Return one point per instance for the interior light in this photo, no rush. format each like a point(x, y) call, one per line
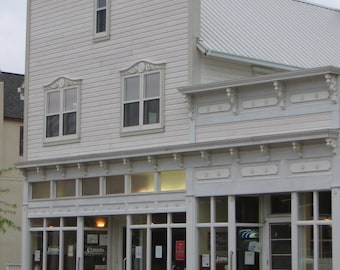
point(100, 223)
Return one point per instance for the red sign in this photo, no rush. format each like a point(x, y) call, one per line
point(180, 250)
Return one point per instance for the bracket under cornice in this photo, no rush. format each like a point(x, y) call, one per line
point(179, 159)
point(128, 163)
point(280, 93)
point(82, 167)
point(297, 146)
point(332, 144)
point(265, 151)
point(61, 169)
point(153, 161)
point(235, 153)
point(331, 82)
point(206, 156)
point(232, 99)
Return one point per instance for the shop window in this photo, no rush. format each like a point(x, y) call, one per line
point(37, 222)
point(159, 218)
point(221, 208)
point(280, 204)
point(172, 180)
point(90, 186)
point(143, 182)
point(37, 249)
point(305, 205)
point(204, 210)
point(65, 188)
point(138, 248)
point(247, 209)
point(115, 184)
point(70, 222)
point(52, 250)
point(325, 205)
point(40, 190)
point(139, 219)
point(53, 222)
point(69, 250)
point(178, 218)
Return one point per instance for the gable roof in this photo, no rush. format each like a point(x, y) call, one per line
point(13, 105)
point(290, 34)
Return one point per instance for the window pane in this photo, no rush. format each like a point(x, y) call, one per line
point(90, 186)
point(159, 218)
point(65, 188)
point(41, 190)
point(143, 182)
point(138, 248)
point(37, 249)
point(306, 248)
point(70, 222)
point(70, 99)
point(151, 111)
point(101, 3)
point(247, 209)
point(178, 217)
point(325, 205)
point(131, 89)
point(69, 123)
point(131, 114)
point(221, 209)
point(53, 250)
point(70, 240)
point(172, 180)
point(115, 184)
point(151, 85)
point(204, 210)
point(52, 126)
point(53, 102)
point(280, 204)
point(204, 247)
point(306, 206)
point(101, 21)
point(139, 219)
point(325, 245)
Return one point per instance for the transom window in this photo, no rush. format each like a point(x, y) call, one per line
point(142, 97)
point(101, 26)
point(61, 112)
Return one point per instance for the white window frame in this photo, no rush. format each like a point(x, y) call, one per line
point(104, 35)
point(140, 69)
point(62, 84)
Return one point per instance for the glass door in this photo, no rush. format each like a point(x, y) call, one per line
point(280, 246)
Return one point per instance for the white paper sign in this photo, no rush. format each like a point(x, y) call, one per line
point(158, 252)
point(205, 260)
point(37, 255)
point(138, 252)
point(249, 258)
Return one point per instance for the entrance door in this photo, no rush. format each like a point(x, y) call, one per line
point(280, 246)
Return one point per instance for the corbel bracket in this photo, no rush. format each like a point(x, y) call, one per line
point(331, 82)
point(104, 165)
point(82, 167)
point(232, 99)
point(128, 163)
point(41, 171)
point(297, 146)
point(61, 169)
point(190, 101)
point(265, 151)
point(179, 159)
point(280, 93)
point(235, 153)
point(153, 161)
point(332, 144)
point(206, 156)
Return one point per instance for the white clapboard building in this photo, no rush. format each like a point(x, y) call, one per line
point(182, 134)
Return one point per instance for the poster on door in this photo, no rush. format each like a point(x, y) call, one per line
point(180, 250)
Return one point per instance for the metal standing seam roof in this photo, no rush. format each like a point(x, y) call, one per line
point(290, 33)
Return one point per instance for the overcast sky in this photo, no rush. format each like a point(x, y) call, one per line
point(13, 28)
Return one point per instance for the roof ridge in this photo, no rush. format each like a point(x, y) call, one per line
point(317, 5)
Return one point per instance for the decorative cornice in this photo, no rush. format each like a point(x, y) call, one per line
point(140, 67)
point(62, 82)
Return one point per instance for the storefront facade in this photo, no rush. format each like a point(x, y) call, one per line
point(264, 199)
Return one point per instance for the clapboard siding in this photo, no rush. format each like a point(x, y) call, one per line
point(61, 44)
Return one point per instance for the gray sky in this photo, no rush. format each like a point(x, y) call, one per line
point(13, 28)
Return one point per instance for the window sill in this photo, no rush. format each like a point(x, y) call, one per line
point(138, 131)
point(60, 141)
point(101, 37)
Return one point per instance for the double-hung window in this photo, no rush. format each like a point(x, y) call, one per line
point(142, 98)
point(102, 16)
point(62, 110)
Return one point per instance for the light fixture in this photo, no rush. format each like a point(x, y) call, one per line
point(100, 223)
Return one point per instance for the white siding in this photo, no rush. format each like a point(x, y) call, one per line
point(61, 44)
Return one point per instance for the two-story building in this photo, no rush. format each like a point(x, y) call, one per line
point(11, 180)
point(181, 134)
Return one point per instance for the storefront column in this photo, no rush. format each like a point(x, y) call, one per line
point(232, 233)
point(336, 227)
point(80, 243)
point(191, 234)
point(294, 236)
